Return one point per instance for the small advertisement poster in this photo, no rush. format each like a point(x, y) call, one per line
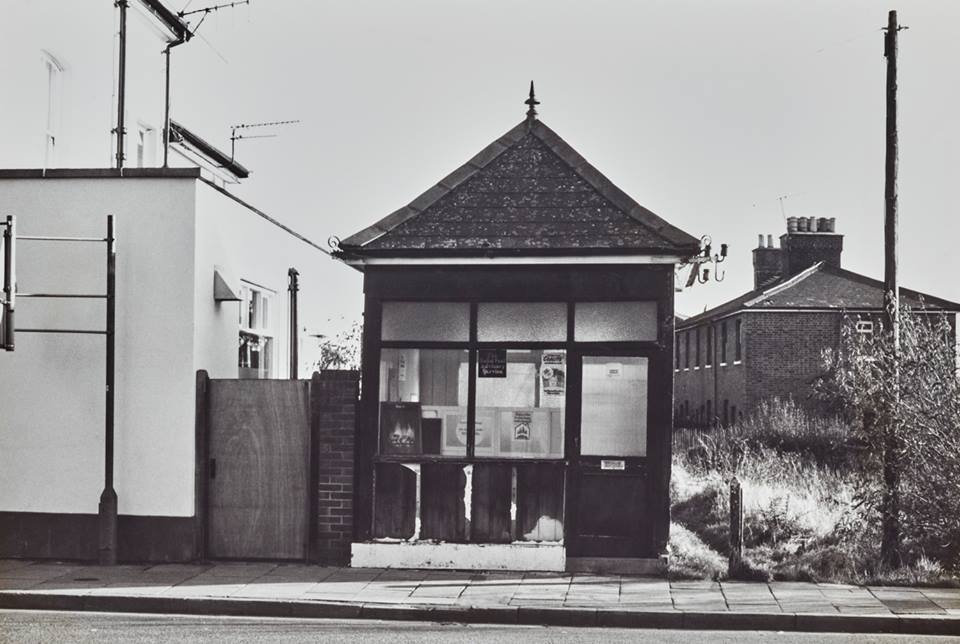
point(522, 425)
point(492, 363)
point(553, 378)
point(400, 428)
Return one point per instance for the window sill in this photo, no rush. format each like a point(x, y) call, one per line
point(723, 364)
point(738, 362)
point(709, 366)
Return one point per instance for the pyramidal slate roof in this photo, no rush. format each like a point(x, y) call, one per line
point(820, 287)
point(527, 193)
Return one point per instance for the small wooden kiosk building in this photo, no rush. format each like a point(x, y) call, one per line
point(517, 377)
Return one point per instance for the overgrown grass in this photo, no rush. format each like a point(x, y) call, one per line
point(801, 516)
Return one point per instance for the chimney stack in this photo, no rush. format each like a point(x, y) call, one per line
point(766, 263)
point(808, 240)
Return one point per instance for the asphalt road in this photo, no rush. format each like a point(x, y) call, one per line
point(29, 627)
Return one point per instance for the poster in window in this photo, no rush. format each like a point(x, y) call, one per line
point(492, 363)
point(455, 434)
point(553, 378)
point(400, 428)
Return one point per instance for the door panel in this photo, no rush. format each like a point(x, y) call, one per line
point(259, 469)
point(608, 468)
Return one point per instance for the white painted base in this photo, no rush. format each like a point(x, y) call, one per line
point(618, 565)
point(460, 556)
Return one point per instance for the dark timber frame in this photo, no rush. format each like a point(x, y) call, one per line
point(532, 283)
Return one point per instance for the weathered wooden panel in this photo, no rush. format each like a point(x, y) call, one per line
point(258, 469)
point(611, 505)
point(395, 501)
point(490, 503)
point(442, 506)
point(540, 501)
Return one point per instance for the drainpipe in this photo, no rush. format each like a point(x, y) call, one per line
point(122, 73)
point(293, 285)
point(166, 109)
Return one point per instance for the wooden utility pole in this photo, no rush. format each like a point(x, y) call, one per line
point(890, 543)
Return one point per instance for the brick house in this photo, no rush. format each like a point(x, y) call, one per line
point(768, 342)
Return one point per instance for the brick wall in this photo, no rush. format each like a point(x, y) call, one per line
point(696, 385)
point(784, 354)
point(334, 396)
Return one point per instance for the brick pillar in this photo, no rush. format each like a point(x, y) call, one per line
point(333, 396)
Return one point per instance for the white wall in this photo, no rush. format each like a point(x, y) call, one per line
point(82, 36)
point(52, 386)
point(248, 247)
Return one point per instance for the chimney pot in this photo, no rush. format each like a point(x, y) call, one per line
point(769, 241)
point(760, 240)
point(812, 224)
point(791, 224)
point(832, 224)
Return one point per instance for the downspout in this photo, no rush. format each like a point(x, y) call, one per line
point(166, 110)
point(293, 285)
point(121, 86)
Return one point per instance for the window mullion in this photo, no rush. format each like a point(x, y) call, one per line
point(472, 384)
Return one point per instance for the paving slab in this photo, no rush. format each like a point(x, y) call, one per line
point(288, 589)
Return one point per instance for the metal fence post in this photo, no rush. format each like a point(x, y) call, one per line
point(736, 525)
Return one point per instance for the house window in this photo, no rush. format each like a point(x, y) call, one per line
point(257, 345)
point(733, 414)
point(709, 356)
point(677, 351)
point(709, 418)
point(696, 360)
point(686, 350)
point(723, 342)
point(865, 327)
point(726, 412)
point(54, 73)
point(738, 342)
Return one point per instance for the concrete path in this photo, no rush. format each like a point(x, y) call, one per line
point(271, 589)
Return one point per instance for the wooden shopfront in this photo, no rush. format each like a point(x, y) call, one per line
point(516, 406)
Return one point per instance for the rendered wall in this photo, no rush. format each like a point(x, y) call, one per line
point(52, 386)
point(246, 246)
point(82, 37)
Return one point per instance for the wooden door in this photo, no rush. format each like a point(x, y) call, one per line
point(608, 487)
point(259, 467)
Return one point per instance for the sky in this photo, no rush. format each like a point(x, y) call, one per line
point(720, 116)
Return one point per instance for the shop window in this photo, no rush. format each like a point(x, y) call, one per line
point(423, 403)
point(520, 403)
point(522, 321)
point(426, 321)
point(615, 321)
point(256, 351)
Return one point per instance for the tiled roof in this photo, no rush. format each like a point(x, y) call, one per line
point(819, 287)
point(527, 192)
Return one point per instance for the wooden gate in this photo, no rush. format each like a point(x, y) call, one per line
point(258, 469)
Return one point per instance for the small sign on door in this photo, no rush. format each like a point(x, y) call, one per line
point(609, 464)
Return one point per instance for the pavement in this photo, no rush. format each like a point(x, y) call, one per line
point(267, 589)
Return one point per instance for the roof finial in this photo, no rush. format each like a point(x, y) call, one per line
point(532, 102)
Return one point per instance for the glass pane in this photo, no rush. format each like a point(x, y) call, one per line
point(615, 321)
point(515, 321)
point(614, 406)
point(520, 405)
point(437, 321)
point(423, 402)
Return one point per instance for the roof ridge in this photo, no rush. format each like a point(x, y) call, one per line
point(434, 193)
point(785, 284)
point(599, 182)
